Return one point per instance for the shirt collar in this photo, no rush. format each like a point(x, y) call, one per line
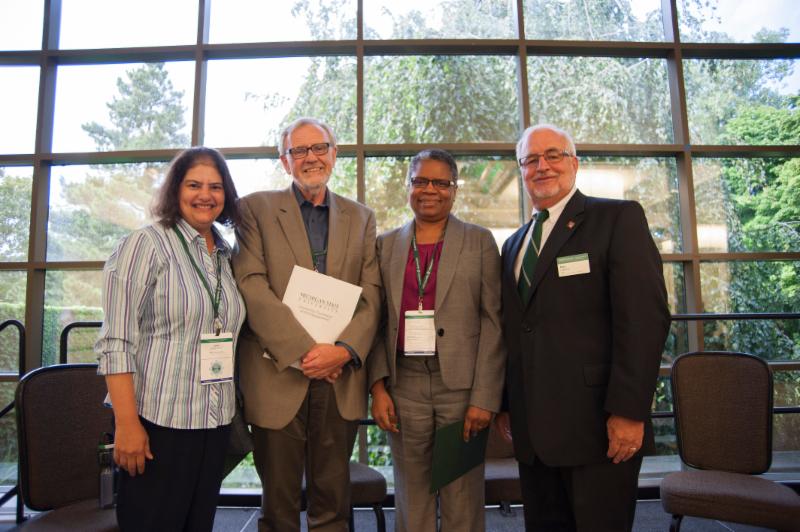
point(302, 201)
point(556, 210)
point(192, 234)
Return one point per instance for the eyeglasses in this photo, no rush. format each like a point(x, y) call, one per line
point(300, 152)
point(423, 182)
point(551, 156)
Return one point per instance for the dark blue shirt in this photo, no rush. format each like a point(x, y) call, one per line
point(315, 218)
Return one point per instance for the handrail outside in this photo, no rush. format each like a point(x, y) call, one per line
point(62, 343)
point(14, 491)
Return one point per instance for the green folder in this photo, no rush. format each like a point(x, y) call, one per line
point(452, 456)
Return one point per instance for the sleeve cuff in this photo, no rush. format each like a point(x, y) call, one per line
point(354, 360)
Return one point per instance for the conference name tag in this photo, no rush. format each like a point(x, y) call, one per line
point(573, 265)
point(420, 334)
point(216, 358)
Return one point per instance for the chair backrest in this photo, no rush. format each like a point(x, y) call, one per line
point(60, 419)
point(723, 411)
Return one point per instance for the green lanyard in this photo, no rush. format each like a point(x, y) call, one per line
point(422, 282)
point(216, 296)
point(315, 255)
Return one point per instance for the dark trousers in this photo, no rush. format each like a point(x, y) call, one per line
point(180, 485)
point(318, 441)
point(597, 497)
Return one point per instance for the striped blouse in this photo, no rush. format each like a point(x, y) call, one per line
point(156, 308)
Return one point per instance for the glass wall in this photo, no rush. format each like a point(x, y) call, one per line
point(94, 109)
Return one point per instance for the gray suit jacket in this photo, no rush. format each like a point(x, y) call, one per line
point(270, 241)
point(469, 343)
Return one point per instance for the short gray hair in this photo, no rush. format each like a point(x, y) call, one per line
point(434, 154)
point(304, 121)
point(555, 129)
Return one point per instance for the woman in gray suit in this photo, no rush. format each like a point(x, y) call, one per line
point(439, 357)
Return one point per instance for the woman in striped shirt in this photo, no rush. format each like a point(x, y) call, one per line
point(172, 317)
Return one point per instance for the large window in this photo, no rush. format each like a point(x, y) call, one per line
point(688, 106)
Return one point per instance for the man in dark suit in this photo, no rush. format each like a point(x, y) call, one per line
point(585, 318)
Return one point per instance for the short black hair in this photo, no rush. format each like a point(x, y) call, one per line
point(167, 207)
point(434, 154)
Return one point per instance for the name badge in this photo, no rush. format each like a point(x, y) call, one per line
point(573, 265)
point(216, 358)
point(420, 334)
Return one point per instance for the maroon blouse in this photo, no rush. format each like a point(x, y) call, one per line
point(410, 298)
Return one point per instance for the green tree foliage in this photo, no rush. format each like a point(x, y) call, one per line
point(15, 212)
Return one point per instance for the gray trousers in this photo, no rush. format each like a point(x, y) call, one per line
point(423, 404)
point(318, 441)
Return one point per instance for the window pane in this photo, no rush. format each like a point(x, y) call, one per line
point(747, 204)
point(15, 212)
point(787, 390)
point(440, 19)
point(742, 101)
point(252, 175)
point(248, 102)
point(638, 20)
point(21, 24)
point(104, 24)
point(488, 193)
point(71, 296)
point(298, 20)
point(19, 94)
point(123, 107)
point(92, 207)
point(601, 99)
point(440, 99)
point(8, 438)
point(678, 338)
point(739, 21)
point(752, 286)
point(12, 307)
point(652, 182)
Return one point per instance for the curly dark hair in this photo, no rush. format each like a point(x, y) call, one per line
point(167, 207)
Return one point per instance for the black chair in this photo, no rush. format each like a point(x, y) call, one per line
point(723, 420)
point(60, 420)
point(501, 484)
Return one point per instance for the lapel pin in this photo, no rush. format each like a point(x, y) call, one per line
point(570, 224)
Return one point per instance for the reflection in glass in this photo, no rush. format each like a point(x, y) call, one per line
point(12, 307)
point(440, 99)
point(21, 25)
point(724, 21)
point(488, 193)
point(123, 107)
point(650, 181)
point(15, 212)
point(440, 19)
point(92, 207)
point(71, 296)
point(8, 438)
point(294, 20)
point(741, 102)
point(747, 204)
point(638, 20)
point(602, 100)
point(249, 101)
point(104, 24)
point(20, 94)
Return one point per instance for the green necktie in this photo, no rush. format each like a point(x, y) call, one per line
point(531, 256)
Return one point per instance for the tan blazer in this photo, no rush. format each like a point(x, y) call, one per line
point(469, 335)
point(270, 241)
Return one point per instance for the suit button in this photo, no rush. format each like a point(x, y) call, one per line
point(440, 332)
point(526, 328)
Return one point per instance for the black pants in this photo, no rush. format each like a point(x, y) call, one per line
point(596, 497)
point(180, 485)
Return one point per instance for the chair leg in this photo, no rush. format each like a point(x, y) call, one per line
point(675, 525)
point(352, 523)
point(380, 519)
point(505, 509)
